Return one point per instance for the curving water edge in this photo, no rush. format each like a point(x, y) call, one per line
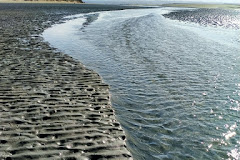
point(174, 85)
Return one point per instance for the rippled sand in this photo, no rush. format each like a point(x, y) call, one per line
point(51, 106)
point(208, 17)
point(224, 6)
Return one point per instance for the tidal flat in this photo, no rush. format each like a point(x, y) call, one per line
point(51, 105)
point(223, 6)
point(173, 74)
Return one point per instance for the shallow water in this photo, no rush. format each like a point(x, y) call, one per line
point(175, 85)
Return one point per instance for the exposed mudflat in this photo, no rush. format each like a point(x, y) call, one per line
point(208, 17)
point(51, 106)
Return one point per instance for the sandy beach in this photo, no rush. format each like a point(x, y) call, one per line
point(51, 106)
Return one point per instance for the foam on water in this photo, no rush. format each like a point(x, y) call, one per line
point(175, 86)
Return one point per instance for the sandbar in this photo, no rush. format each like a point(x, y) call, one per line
point(51, 105)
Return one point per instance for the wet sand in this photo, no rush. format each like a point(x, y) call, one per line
point(223, 6)
point(51, 106)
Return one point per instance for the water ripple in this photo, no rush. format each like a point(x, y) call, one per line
point(174, 89)
point(209, 17)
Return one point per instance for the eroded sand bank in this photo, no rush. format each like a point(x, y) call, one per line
point(51, 106)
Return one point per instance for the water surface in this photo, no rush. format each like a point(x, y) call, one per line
point(175, 85)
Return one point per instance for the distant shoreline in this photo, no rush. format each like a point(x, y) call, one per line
point(181, 5)
point(186, 5)
point(41, 1)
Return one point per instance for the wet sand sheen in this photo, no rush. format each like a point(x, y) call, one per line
point(51, 106)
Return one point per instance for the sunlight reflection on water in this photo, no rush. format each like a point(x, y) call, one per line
point(175, 85)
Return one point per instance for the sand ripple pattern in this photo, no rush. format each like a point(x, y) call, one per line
point(51, 106)
point(209, 17)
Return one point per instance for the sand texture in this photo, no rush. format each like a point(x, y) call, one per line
point(224, 6)
point(51, 106)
